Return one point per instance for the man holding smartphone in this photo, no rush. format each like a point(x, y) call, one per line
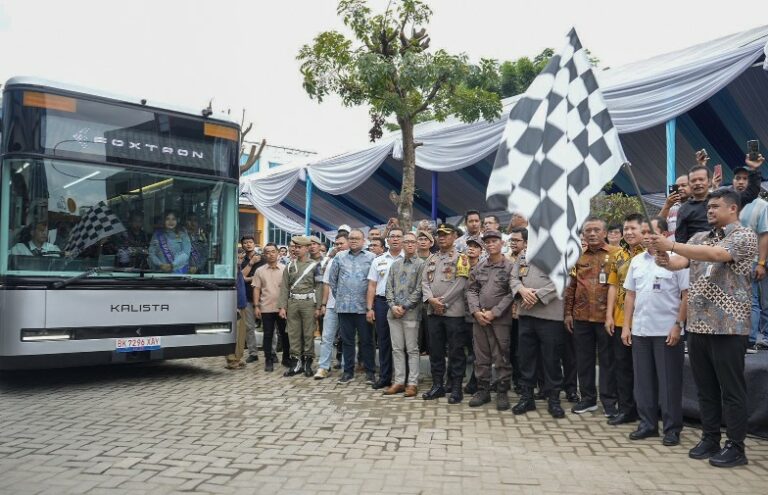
point(679, 192)
point(692, 215)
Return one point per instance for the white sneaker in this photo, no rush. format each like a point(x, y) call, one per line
point(321, 373)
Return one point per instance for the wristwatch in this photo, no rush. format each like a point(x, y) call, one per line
point(370, 309)
point(680, 324)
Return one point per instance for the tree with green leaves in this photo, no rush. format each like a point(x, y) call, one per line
point(387, 65)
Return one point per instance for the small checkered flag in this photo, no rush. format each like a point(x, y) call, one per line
point(558, 150)
point(96, 224)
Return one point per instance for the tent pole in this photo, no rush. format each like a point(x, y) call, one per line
point(671, 169)
point(434, 196)
point(308, 208)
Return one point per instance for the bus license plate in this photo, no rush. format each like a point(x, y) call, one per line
point(131, 344)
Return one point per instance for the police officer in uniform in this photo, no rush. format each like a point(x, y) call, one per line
point(443, 283)
point(490, 299)
point(299, 304)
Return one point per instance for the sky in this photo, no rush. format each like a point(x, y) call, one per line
point(243, 53)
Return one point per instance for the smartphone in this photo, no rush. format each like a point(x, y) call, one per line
point(718, 170)
point(703, 153)
point(753, 149)
point(673, 188)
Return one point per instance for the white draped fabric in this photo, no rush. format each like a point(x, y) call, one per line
point(644, 94)
point(640, 96)
point(343, 173)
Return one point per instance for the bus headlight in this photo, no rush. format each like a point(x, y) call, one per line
point(43, 334)
point(215, 328)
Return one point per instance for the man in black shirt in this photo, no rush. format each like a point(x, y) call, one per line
point(692, 216)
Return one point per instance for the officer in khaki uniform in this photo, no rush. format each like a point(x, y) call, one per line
point(299, 304)
point(443, 283)
point(490, 300)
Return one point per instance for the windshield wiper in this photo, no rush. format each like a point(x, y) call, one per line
point(93, 271)
point(191, 280)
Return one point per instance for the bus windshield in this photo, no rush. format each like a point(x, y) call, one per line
point(63, 217)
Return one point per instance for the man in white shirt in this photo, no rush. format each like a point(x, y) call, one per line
point(38, 244)
point(655, 310)
point(377, 307)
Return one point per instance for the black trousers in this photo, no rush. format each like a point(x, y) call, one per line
point(513, 354)
point(590, 341)
point(424, 330)
point(624, 374)
point(541, 346)
point(380, 309)
point(717, 364)
point(269, 321)
point(448, 330)
point(570, 383)
point(659, 382)
point(353, 325)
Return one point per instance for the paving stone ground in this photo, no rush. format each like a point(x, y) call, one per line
point(192, 426)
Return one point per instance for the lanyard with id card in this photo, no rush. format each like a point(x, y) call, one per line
point(656, 284)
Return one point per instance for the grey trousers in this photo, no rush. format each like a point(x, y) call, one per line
point(405, 340)
point(491, 345)
point(250, 330)
point(658, 381)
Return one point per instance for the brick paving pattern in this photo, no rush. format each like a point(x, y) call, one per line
point(192, 426)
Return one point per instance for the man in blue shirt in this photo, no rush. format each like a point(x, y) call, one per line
point(348, 280)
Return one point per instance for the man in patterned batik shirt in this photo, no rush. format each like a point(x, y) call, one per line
point(719, 320)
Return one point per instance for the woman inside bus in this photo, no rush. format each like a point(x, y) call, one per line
point(170, 246)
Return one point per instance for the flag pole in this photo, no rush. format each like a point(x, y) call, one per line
point(628, 168)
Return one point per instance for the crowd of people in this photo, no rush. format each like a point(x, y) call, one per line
point(641, 295)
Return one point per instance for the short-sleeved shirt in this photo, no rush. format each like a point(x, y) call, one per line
point(268, 280)
point(586, 297)
point(616, 276)
point(380, 269)
point(657, 296)
point(720, 296)
point(755, 216)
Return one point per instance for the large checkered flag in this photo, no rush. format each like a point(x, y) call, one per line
point(558, 150)
point(97, 223)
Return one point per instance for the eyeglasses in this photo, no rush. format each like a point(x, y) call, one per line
point(409, 242)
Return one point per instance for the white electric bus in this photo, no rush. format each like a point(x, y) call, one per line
point(118, 227)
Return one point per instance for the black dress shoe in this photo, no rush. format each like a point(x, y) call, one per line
point(435, 392)
point(381, 384)
point(555, 409)
point(456, 394)
point(705, 449)
point(295, 368)
point(251, 358)
point(671, 439)
point(732, 455)
point(268, 366)
point(622, 418)
point(525, 404)
point(308, 371)
point(572, 397)
point(643, 432)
